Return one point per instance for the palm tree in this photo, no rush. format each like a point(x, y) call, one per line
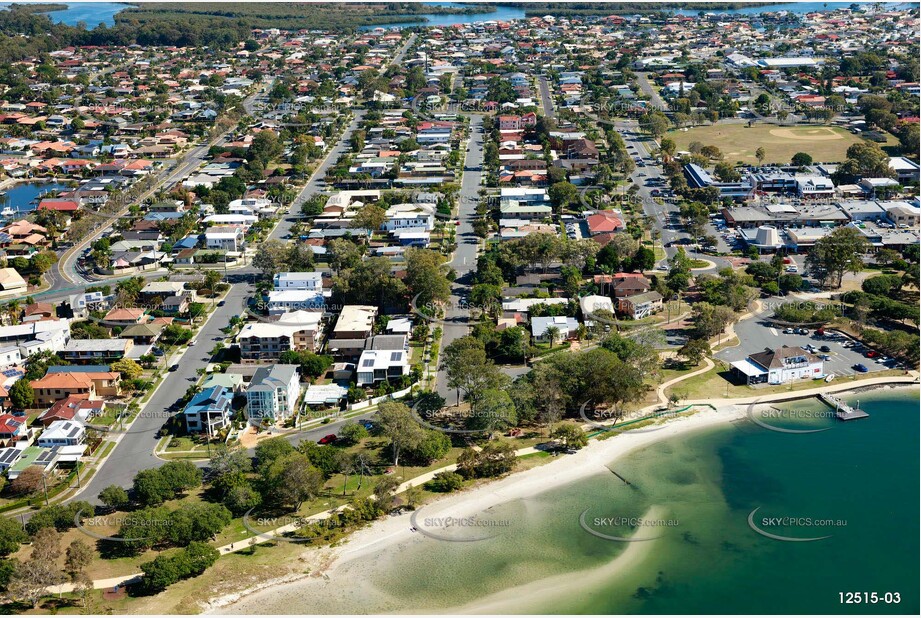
point(554, 333)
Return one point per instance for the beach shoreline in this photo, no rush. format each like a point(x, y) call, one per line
point(383, 535)
point(389, 534)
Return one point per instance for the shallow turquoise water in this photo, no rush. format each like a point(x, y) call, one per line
point(861, 475)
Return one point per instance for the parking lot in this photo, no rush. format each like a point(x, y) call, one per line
point(756, 336)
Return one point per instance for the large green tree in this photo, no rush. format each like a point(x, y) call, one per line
point(839, 252)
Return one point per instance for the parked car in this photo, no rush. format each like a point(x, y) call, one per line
point(174, 367)
point(328, 439)
point(366, 424)
point(860, 368)
point(824, 348)
point(871, 354)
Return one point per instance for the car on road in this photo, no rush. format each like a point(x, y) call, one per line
point(366, 424)
point(662, 267)
point(221, 303)
point(327, 439)
point(192, 341)
point(860, 368)
point(824, 348)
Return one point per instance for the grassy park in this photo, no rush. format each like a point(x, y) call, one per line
point(738, 142)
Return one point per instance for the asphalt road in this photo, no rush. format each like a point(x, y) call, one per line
point(546, 99)
point(665, 215)
point(64, 274)
point(283, 229)
point(134, 450)
point(658, 102)
point(464, 261)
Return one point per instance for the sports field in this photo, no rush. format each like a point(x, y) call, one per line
point(739, 142)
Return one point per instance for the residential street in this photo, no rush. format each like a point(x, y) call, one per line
point(134, 451)
point(546, 99)
point(464, 261)
point(64, 273)
point(664, 215)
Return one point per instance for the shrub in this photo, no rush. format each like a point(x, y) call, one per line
point(59, 516)
point(189, 562)
point(445, 482)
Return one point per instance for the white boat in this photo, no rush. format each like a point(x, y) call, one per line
point(7, 212)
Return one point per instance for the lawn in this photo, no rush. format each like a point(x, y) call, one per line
point(712, 385)
point(739, 142)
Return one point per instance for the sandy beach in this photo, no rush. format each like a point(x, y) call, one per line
point(332, 591)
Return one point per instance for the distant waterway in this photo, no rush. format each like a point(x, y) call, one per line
point(90, 13)
point(95, 13)
point(22, 197)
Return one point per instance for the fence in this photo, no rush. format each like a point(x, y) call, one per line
point(376, 400)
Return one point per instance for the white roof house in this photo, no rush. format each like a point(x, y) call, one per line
point(593, 303)
point(523, 305)
point(281, 301)
point(298, 281)
point(378, 365)
point(11, 282)
point(402, 216)
point(32, 337)
point(244, 220)
point(229, 237)
point(62, 433)
point(566, 326)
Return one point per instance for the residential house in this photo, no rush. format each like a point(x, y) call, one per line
point(225, 237)
point(72, 407)
point(13, 430)
point(639, 306)
point(12, 283)
point(62, 433)
point(355, 322)
point(60, 385)
point(209, 411)
point(83, 351)
point(298, 281)
point(265, 341)
point(540, 328)
point(379, 365)
point(272, 394)
point(36, 336)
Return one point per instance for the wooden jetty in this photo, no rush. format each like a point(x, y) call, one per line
point(843, 411)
